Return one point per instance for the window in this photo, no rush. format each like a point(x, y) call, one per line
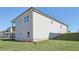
point(28, 34)
point(61, 26)
point(26, 19)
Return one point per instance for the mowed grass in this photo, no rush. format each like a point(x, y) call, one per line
point(66, 42)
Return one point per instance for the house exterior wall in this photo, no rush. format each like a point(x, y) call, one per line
point(42, 27)
point(22, 28)
point(39, 26)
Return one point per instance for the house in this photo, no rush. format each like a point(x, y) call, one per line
point(4, 34)
point(8, 33)
point(0, 34)
point(34, 25)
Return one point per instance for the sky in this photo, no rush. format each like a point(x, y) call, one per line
point(67, 15)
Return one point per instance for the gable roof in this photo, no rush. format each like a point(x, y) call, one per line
point(22, 13)
point(40, 12)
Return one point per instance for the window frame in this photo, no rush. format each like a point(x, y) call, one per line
point(26, 19)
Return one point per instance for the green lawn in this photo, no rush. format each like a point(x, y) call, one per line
point(66, 42)
point(49, 45)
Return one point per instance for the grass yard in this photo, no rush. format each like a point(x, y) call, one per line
point(66, 42)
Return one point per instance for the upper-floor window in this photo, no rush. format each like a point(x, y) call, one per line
point(26, 19)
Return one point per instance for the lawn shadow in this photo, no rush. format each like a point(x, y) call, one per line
point(13, 40)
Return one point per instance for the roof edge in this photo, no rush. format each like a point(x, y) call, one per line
point(22, 13)
point(44, 14)
point(40, 12)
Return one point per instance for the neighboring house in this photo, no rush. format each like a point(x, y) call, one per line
point(4, 34)
point(0, 34)
point(34, 25)
point(8, 33)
